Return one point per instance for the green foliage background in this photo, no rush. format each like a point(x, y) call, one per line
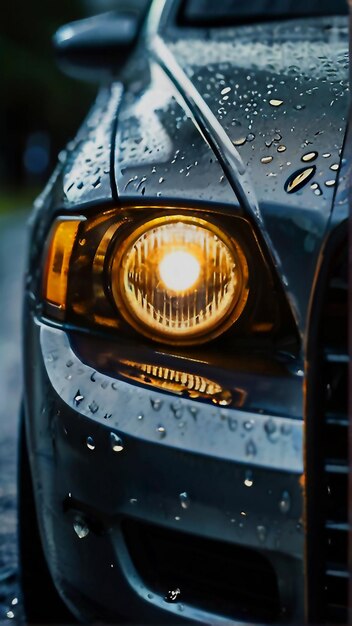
point(35, 95)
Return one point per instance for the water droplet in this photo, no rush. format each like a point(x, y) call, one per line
point(90, 443)
point(298, 179)
point(225, 91)
point(248, 479)
point(69, 363)
point(266, 159)
point(250, 137)
point(116, 443)
point(326, 155)
point(133, 501)
point(262, 533)
point(334, 167)
point(93, 407)
point(156, 403)
point(161, 431)
point(150, 596)
point(177, 409)
point(52, 357)
point(286, 429)
point(78, 398)
point(270, 427)
point(173, 595)
point(177, 518)
point(140, 417)
point(285, 502)
point(248, 425)
point(300, 107)
point(185, 500)
point(14, 602)
point(316, 188)
point(193, 411)
point(330, 183)
point(161, 180)
point(310, 156)
point(10, 614)
point(239, 142)
point(281, 148)
point(251, 449)
point(276, 103)
point(80, 527)
point(232, 422)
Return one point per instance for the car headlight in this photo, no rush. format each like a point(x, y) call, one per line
point(179, 279)
point(176, 276)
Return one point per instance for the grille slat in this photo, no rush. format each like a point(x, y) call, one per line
point(336, 357)
point(336, 468)
point(337, 418)
point(327, 440)
point(337, 572)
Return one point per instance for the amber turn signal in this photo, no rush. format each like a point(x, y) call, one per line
point(61, 241)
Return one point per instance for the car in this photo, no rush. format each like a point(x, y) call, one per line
point(183, 454)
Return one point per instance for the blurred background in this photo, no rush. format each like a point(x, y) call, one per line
point(40, 108)
point(40, 111)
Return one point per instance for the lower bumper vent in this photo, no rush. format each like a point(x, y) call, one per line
point(217, 577)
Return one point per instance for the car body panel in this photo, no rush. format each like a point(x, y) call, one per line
point(243, 496)
point(148, 143)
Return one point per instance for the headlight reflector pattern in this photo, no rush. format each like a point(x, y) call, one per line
point(179, 279)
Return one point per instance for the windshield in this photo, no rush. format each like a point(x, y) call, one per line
point(248, 11)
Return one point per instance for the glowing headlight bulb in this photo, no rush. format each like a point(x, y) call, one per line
point(179, 270)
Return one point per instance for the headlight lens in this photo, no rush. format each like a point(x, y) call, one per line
point(179, 279)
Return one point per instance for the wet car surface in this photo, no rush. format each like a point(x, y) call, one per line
point(141, 446)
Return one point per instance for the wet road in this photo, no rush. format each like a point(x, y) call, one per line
point(12, 255)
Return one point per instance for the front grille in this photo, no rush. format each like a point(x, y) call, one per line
point(327, 441)
point(214, 576)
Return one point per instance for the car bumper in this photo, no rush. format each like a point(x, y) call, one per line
point(198, 474)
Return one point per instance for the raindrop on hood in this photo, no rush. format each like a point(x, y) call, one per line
point(299, 179)
point(310, 156)
point(239, 142)
point(276, 103)
point(81, 529)
point(185, 500)
point(266, 159)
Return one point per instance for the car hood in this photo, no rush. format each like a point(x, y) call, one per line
point(251, 119)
